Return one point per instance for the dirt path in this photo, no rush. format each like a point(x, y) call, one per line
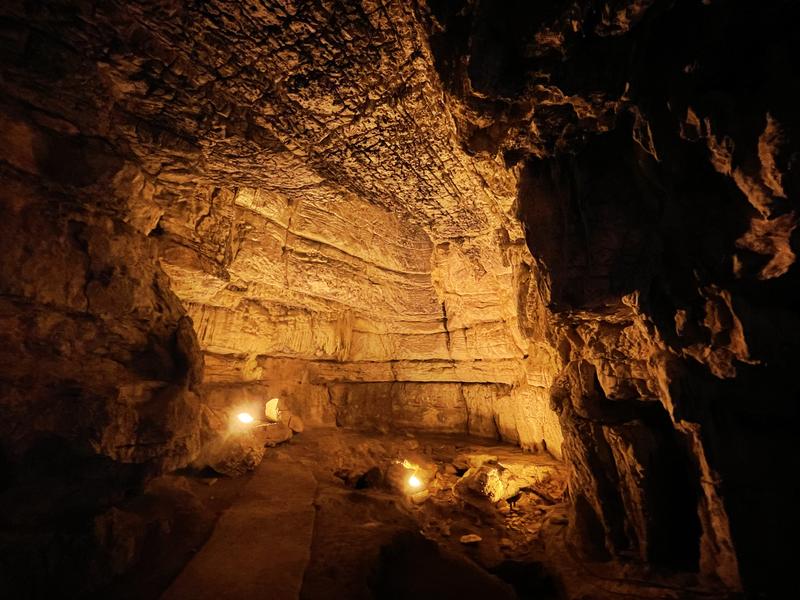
point(298, 530)
point(261, 545)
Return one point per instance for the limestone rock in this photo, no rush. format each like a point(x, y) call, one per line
point(420, 497)
point(473, 461)
point(300, 267)
point(541, 224)
point(397, 476)
point(237, 454)
point(470, 538)
point(272, 410)
point(230, 447)
point(276, 433)
point(296, 424)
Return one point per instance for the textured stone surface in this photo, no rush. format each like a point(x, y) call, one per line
point(647, 139)
point(95, 346)
point(308, 204)
point(436, 214)
point(100, 367)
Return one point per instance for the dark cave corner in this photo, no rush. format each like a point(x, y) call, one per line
point(500, 294)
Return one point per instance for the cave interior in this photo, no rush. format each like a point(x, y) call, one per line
point(399, 299)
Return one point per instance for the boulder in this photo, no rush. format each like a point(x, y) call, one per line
point(488, 482)
point(235, 454)
point(276, 433)
point(295, 423)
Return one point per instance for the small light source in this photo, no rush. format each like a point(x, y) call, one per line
point(414, 482)
point(245, 417)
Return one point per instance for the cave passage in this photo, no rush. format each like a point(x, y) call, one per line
point(394, 299)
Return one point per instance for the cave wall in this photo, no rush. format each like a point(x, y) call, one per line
point(319, 292)
point(440, 213)
point(100, 362)
point(308, 206)
point(305, 205)
point(276, 192)
point(656, 143)
point(168, 202)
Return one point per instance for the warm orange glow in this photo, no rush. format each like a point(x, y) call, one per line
point(414, 482)
point(245, 417)
point(272, 410)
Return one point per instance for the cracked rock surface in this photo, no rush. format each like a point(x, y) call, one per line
point(569, 225)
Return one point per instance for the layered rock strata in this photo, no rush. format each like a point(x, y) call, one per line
point(445, 215)
point(656, 146)
point(100, 363)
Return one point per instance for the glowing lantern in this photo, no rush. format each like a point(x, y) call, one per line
point(245, 417)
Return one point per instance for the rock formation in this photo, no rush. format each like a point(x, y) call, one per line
point(569, 225)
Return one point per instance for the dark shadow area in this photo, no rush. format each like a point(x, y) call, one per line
point(412, 567)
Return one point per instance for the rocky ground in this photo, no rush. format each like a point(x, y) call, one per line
point(330, 514)
point(569, 225)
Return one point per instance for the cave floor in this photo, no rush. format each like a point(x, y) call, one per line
point(311, 522)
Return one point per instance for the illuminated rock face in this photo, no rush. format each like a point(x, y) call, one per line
point(327, 294)
point(334, 221)
point(658, 189)
point(98, 354)
point(548, 224)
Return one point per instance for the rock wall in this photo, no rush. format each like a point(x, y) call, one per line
point(279, 189)
point(100, 362)
point(656, 146)
point(368, 238)
point(306, 204)
point(438, 214)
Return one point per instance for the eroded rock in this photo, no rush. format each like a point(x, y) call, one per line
point(446, 216)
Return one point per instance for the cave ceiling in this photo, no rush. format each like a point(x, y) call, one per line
point(302, 173)
point(570, 225)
